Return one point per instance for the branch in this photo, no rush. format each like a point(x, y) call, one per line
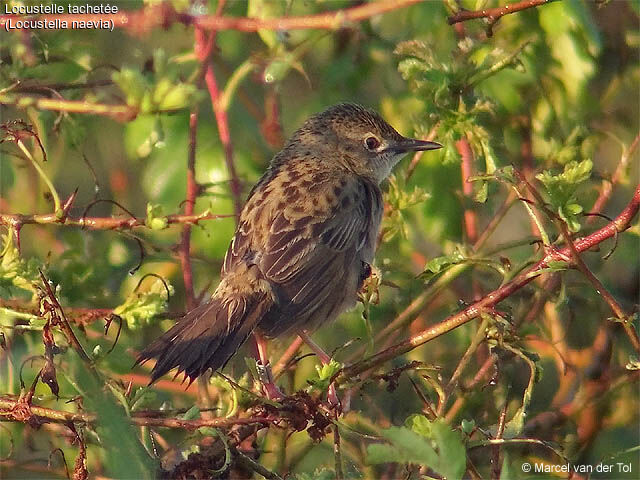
point(163, 16)
point(13, 411)
point(100, 223)
point(495, 14)
point(222, 121)
point(121, 113)
point(189, 203)
point(466, 165)
point(607, 185)
point(579, 263)
point(619, 224)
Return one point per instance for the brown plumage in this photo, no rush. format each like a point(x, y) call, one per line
point(303, 245)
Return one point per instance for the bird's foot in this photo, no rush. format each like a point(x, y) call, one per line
point(269, 387)
point(332, 398)
point(272, 391)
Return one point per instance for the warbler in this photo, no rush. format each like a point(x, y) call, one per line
point(304, 244)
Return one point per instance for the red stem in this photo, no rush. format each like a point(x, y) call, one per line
point(619, 224)
point(225, 137)
point(494, 14)
point(466, 166)
point(192, 193)
point(163, 15)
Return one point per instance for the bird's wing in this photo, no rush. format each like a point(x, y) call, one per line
point(311, 243)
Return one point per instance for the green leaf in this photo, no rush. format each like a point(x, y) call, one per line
point(440, 264)
point(133, 84)
point(124, 456)
point(325, 373)
point(155, 219)
point(481, 193)
point(264, 9)
point(451, 452)
point(419, 424)
point(192, 414)
point(140, 308)
point(432, 444)
point(7, 175)
point(14, 270)
point(561, 189)
point(168, 95)
point(405, 446)
point(467, 425)
point(557, 265)
point(317, 474)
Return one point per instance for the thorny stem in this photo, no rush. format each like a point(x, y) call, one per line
point(337, 453)
point(420, 302)
point(190, 200)
point(121, 113)
point(577, 259)
point(66, 328)
point(48, 415)
point(617, 309)
point(222, 120)
point(163, 15)
point(288, 354)
point(102, 223)
point(494, 14)
point(251, 464)
point(466, 166)
point(619, 224)
point(607, 185)
point(475, 342)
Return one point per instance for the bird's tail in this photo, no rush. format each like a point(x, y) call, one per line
point(207, 336)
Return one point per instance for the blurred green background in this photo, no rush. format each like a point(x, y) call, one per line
point(554, 87)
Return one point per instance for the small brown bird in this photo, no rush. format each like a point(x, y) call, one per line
point(303, 246)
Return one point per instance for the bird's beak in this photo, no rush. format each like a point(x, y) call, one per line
point(413, 145)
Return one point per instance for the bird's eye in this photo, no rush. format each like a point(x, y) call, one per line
point(371, 143)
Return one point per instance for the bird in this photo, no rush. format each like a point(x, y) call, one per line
point(303, 246)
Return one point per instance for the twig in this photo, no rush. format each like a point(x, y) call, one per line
point(251, 464)
point(620, 223)
point(495, 220)
point(577, 259)
point(65, 327)
point(495, 449)
point(425, 298)
point(495, 14)
point(607, 185)
point(475, 342)
point(48, 415)
point(121, 113)
point(617, 309)
point(466, 167)
point(190, 200)
point(163, 15)
point(54, 193)
point(223, 132)
point(337, 453)
point(101, 223)
point(288, 354)
point(49, 87)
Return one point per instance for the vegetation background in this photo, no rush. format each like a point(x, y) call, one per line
point(126, 153)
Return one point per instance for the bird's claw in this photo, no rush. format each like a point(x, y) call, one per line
point(265, 376)
point(332, 398)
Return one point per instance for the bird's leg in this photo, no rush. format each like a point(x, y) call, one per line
point(332, 395)
point(264, 370)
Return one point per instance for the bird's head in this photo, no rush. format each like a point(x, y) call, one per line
point(357, 138)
